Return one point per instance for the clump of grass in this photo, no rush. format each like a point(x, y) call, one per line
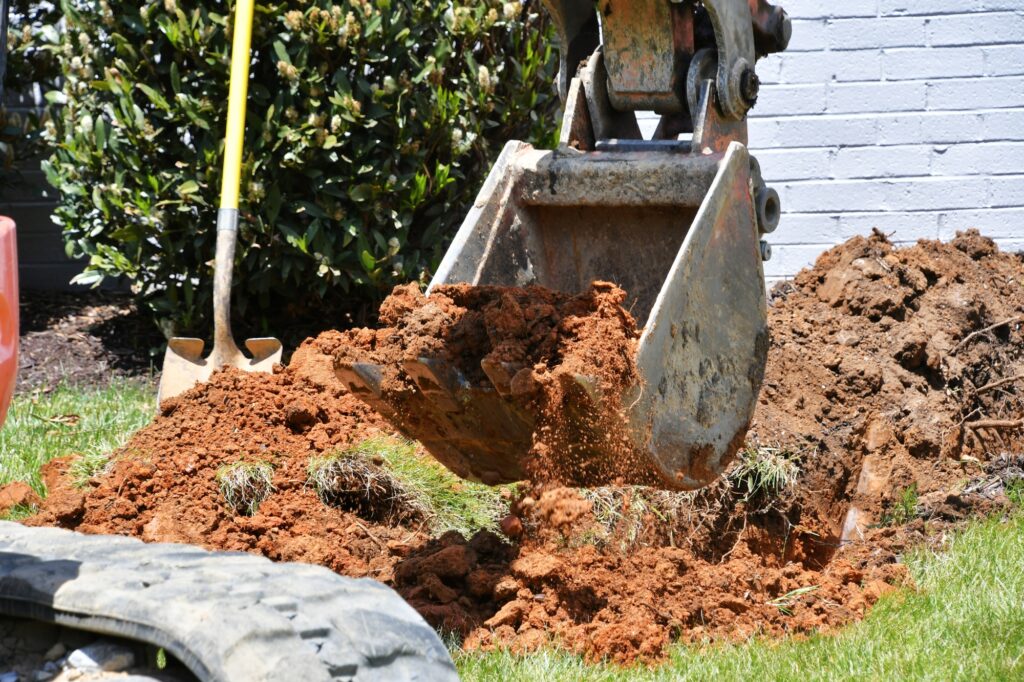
point(763, 472)
point(904, 509)
point(88, 465)
point(245, 485)
point(20, 512)
point(623, 513)
point(446, 501)
point(1014, 489)
point(354, 482)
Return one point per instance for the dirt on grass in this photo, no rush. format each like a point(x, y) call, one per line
point(894, 391)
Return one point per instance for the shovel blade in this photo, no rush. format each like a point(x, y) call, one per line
point(183, 368)
point(184, 365)
point(266, 352)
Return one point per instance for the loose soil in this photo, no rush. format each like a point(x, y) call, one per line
point(894, 388)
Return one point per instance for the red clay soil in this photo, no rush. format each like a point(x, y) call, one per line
point(889, 369)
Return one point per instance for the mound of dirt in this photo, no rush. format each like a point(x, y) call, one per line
point(163, 485)
point(894, 390)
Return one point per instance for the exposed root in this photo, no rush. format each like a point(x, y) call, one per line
point(245, 485)
point(353, 482)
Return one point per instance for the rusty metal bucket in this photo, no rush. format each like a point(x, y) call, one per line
point(676, 225)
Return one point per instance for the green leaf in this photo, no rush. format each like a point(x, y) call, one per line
point(281, 52)
point(100, 130)
point(368, 261)
point(360, 193)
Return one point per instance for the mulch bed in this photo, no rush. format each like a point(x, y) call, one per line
point(84, 338)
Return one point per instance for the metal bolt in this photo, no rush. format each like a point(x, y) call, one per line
point(766, 251)
point(783, 30)
point(750, 84)
point(768, 209)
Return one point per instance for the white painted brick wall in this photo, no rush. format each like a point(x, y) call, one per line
point(906, 115)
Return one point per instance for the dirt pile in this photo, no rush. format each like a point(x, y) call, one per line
point(893, 384)
point(892, 395)
point(165, 484)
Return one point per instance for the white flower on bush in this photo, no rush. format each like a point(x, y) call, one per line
point(293, 19)
point(511, 10)
point(85, 125)
point(483, 77)
point(256, 191)
point(288, 70)
point(390, 85)
point(335, 123)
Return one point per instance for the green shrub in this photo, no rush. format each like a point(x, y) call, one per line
point(371, 126)
point(30, 62)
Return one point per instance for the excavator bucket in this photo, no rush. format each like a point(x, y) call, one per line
point(676, 222)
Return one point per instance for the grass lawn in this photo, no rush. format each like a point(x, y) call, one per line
point(91, 422)
point(966, 621)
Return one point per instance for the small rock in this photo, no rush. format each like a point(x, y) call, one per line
point(511, 526)
point(105, 656)
point(10, 676)
point(42, 676)
point(506, 588)
point(438, 590)
point(510, 614)
point(55, 652)
point(454, 561)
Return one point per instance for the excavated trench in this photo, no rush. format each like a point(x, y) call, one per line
point(891, 389)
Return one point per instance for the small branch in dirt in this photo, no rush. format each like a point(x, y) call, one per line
point(995, 424)
point(969, 415)
point(370, 535)
point(973, 335)
point(1002, 382)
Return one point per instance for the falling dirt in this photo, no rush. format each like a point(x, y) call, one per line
point(527, 358)
point(894, 391)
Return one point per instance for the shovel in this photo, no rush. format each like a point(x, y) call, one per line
point(184, 365)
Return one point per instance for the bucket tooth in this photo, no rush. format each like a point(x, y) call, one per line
point(501, 373)
point(439, 381)
point(361, 378)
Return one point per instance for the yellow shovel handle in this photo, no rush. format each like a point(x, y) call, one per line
point(237, 93)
